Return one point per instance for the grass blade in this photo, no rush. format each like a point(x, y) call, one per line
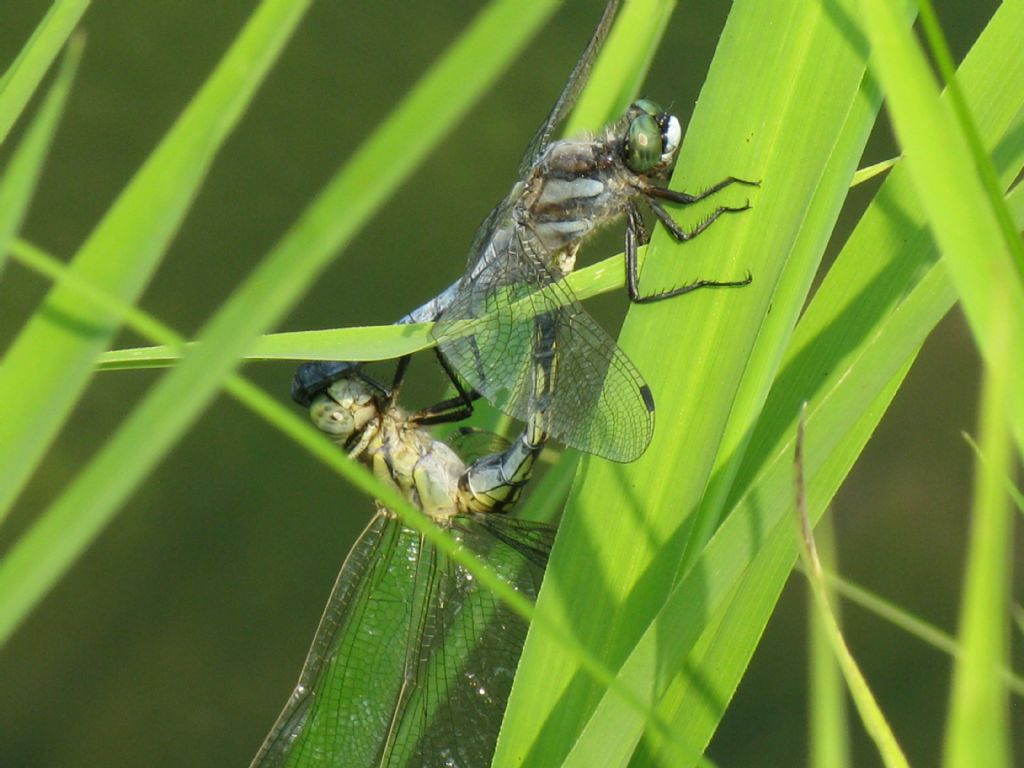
point(19, 180)
point(829, 738)
point(624, 532)
point(979, 729)
point(848, 356)
point(976, 249)
point(22, 78)
point(870, 713)
point(47, 367)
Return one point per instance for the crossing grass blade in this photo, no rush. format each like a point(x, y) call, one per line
point(375, 342)
point(871, 715)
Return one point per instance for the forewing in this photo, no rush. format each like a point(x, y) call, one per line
point(598, 402)
point(572, 89)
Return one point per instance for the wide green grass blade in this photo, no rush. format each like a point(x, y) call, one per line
point(22, 78)
point(978, 732)
point(22, 173)
point(47, 367)
point(976, 250)
point(852, 338)
point(624, 533)
point(848, 357)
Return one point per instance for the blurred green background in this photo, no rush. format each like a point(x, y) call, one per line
point(177, 638)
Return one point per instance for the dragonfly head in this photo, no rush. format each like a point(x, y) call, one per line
point(345, 409)
point(652, 138)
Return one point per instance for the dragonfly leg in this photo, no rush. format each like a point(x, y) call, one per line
point(685, 198)
point(453, 409)
point(632, 267)
point(682, 235)
point(399, 377)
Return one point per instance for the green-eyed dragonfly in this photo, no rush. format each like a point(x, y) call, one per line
point(598, 401)
point(413, 661)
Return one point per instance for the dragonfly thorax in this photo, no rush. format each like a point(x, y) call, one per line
point(578, 185)
point(380, 434)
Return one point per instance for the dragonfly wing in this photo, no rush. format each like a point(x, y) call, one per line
point(341, 711)
point(597, 402)
point(413, 660)
point(470, 648)
point(572, 89)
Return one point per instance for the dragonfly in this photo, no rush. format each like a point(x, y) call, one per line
point(413, 660)
point(567, 189)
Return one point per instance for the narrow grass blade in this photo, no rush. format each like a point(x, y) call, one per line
point(376, 342)
point(913, 625)
point(372, 342)
point(47, 367)
point(22, 78)
point(870, 713)
point(978, 732)
point(829, 735)
point(22, 173)
point(977, 251)
point(866, 174)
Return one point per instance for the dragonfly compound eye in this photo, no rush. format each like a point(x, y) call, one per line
point(332, 417)
point(643, 149)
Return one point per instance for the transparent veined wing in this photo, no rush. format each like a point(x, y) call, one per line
point(598, 402)
point(571, 90)
point(413, 661)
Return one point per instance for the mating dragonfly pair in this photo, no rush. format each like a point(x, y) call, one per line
point(413, 660)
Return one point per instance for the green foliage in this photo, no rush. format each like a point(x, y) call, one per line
point(665, 571)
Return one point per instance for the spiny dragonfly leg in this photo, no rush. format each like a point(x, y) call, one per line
point(636, 235)
point(685, 198)
point(682, 235)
